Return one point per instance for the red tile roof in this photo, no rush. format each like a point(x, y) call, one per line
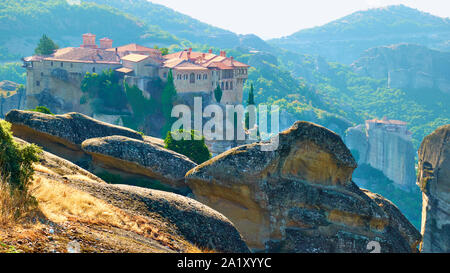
point(206, 60)
point(84, 55)
point(135, 48)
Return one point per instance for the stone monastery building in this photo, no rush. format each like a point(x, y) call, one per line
point(193, 72)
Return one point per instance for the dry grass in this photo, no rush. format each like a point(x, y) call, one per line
point(15, 206)
point(60, 203)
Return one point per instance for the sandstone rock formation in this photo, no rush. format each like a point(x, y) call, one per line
point(14, 101)
point(139, 157)
point(434, 181)
point(300, 197)
point(71, 129)
point(385, 145)
point(64, 134)
point(179, 222)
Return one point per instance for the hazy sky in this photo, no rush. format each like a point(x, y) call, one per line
point(276, 18)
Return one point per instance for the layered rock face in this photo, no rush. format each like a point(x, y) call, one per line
point(434, 181)
point(386, 147)
point(139, 157)
point(407, 66)
point(15, 101)
point(106, 148)
point(300, 197)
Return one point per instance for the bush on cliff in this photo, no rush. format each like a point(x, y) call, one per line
point(196, 150)
point(42, 109)
point(104, 91)
point(16, 167)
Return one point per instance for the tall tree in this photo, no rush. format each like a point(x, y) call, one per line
point(46, 46)
point(168, 97)
point(251, 96)
point(218, 93)
point(250, 101)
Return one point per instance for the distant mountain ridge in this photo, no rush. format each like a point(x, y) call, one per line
point(345, 39)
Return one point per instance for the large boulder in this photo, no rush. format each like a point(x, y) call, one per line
point(139, 157)
point(70, 129)
point(434, 181)
point(173, 218)
point(299, 197)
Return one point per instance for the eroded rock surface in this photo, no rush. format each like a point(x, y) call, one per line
point(300, 197)
point(73, 128)
point(139, 157)
point(434, 181)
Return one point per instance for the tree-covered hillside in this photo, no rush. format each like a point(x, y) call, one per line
point(176, 23)
point(22, 23)
point(345, 39)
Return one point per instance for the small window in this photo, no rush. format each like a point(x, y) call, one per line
point(222, 86)
point(42, 74)
point(192, 78)
point(231, 85)
point(93, 69)
point(165, 75)
point(51, 63)
point(62, 64)
point(205, 76)
point(38, 83)
point(71, 65)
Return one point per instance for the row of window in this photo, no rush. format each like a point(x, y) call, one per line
point(192, 77)
point(224, 85)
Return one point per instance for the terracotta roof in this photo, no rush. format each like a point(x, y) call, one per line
point(135, 58)
point(206, 60)
point(135, 48)
point(83, 55)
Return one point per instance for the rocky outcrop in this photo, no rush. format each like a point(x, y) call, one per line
point(63, 134)
point(14, 101)
point(300, 197)
point(139, 157)
point(165, 222)
point(128, 156)
point(386, 146)
point(72, 127)
point(406, 66)
point(434, 181)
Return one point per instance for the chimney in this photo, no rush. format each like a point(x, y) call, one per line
point(210, 51)
point(89, 41)
point(189, 55)
point(232, 59)
point(190, 49)
point(223, 53)
point(106, 43)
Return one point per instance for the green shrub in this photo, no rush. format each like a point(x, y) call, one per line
point(196, 150)
point(42, 109)
point(104, 91)
point(16, 162)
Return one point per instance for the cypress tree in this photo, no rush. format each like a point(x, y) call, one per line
point(168, 97)
point(218, 93)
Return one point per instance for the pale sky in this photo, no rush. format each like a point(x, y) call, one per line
point(277, 18)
